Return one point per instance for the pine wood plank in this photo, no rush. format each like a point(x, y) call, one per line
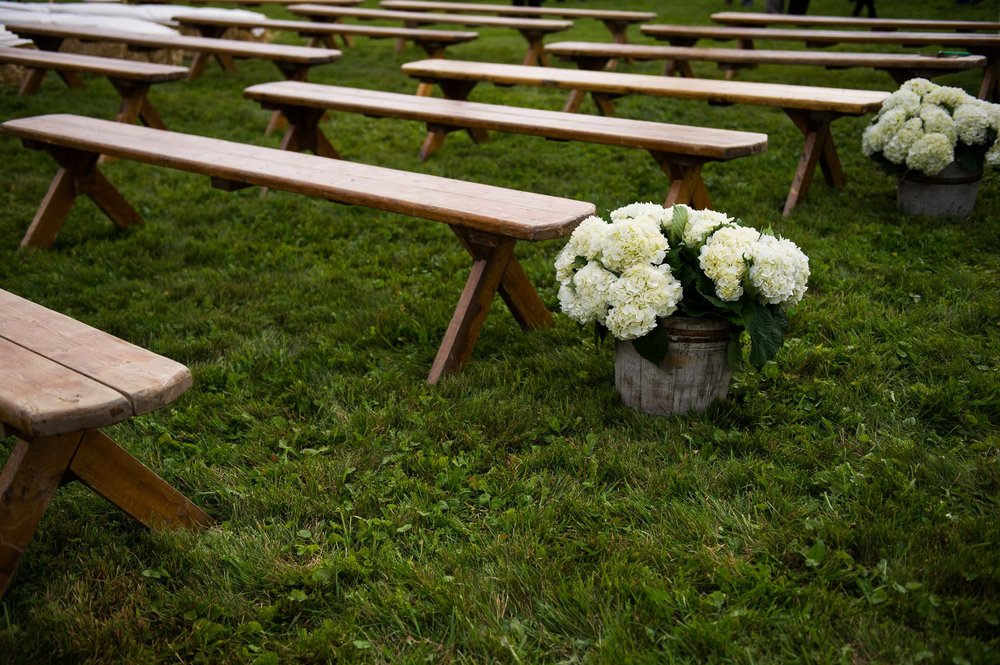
point(522, 215)
point(133, 70)
point(39, 397)
point(701, 141)
point(850, 22)
point(839, 100)
point(146, 380)
point(906, 61)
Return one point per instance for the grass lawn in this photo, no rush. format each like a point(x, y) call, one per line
point(840, 506)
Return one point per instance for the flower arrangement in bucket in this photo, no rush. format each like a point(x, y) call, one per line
point(936, 140)
point(677, 287)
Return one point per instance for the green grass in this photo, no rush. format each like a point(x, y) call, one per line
point(839, 506)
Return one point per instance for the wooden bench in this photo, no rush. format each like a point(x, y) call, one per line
point(616, 21)
point(762, 19)
point(533, 30)
point(487, 220)
point(977, 43)
point(433, 42)
point(679, 150)
point(812, 109)
point(900, 66)
point(293, 61)
point(130, 78)
point(61, 381)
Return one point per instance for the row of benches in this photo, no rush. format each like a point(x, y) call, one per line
point(64, 381)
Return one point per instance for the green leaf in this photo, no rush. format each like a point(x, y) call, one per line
point(653, 345)
point(297, 595)
point(766, 325)
point(678, 224)
point(362, 644)
point(734, 352)
point(814, 555)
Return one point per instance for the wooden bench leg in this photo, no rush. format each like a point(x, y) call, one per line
point(36, 469)
point(818, 148)
point(489, 264)
point(135, 104)
point(686, 184)
point(31, 82)
point(303, 132)
point(536, 49)
point(77, 175)
point(71, 79)
point(124, 481)
point(30, 478)
point(494, 269)
point(989, 89)
point(198, 65)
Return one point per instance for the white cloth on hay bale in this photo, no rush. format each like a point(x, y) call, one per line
point(161, 14)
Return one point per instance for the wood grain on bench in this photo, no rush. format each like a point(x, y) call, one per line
point(852, 22)
point(487, 220)
point(533, 30)
point(812, 109)
point(615, 20)
point(433, 42)
point(977, 43)
point(900, 66)
point(679, 150)
point(293, 61)
point(130, 78)
point(60, 382)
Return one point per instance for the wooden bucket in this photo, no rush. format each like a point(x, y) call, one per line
point(951, 193)
point(694, 373)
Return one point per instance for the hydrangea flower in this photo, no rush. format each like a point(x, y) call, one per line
point(586, 242)
point(915, 122)
point(724, 258)
point(702, 222)
point(630, 241)
point(585, 297)
point(930, 154)
point(972, 121)
point(779, 271)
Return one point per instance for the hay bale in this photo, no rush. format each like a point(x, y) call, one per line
point(121, 51)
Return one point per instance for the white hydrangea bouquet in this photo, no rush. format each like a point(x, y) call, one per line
point(925, 127)
point(652, 262)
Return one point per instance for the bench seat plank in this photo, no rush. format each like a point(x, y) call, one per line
point(835, 100)
point(615, 20)
point(135, 70)
point(40, 397)
point(432, 41)
point(811, 109)
point(977, 43)
point(700, 141)
point(533, 30)
point(901, 66)
point(146, 380)
point(679, 150)
point(61, 381)
point(851, 22)
point(488, 220)
point(521, 215)
point(293, 61)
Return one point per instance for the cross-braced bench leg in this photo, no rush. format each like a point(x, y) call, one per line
point(686, 184)
point(32, 475)
point(77, 175)
point(536, 48)
point(494, 269)
point(37, 468)
point(303, 132)
point(819, 149)
point(135, 104)
point(436, 133)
